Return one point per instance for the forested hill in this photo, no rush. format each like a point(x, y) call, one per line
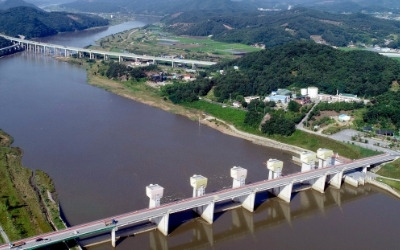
point(351, 6)
point(4, 42)
point(32, 22)
point(278, 28)
point(7, 4)
point(160, 7)
point(306, 64)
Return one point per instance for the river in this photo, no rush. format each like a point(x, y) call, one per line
point(102, 150)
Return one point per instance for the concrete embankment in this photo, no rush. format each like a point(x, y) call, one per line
point(259, 140)
point(383, 186)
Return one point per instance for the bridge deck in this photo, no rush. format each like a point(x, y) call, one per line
point(109, 53)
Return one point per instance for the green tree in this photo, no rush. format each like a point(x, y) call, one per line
point(294, 106)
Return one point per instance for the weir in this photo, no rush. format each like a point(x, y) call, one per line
point(204, 204)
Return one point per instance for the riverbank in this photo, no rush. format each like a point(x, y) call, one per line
point(25, 206)
point(148, 95)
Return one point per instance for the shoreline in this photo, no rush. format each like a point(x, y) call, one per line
point(209, 121)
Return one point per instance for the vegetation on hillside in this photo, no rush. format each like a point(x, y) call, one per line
point(159, 7)
point(175, 6)
point(22, 208)
point(384, 111)
point(299, 138)
point(301, 65)
point(4, 42)
point(277, 28)
point(7, 4)
point(117, 71)
point(31, 22)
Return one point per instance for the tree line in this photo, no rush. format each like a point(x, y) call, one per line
point(300, 65)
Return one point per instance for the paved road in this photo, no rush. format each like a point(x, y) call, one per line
point(223, 195)
point(345, 136)
point(4, 235)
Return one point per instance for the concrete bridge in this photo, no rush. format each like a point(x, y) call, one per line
point(10, 49)
point(313, 176)
point(60, 50)
point(270, 213)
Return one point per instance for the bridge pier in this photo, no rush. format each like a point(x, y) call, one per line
point(162, 223)
point(350, 180)
point(285, 192)
point(199, 184)
point(336, 180)
point(247, 201)
point(319, 184)
point(113, 238)
point(206, 212)
point(365, 169)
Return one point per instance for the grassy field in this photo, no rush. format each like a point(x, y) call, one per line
point(391, 170)
point(21, 209)
point(228, 114)
point(313, 142)
point(152, 41)
point(210, 46)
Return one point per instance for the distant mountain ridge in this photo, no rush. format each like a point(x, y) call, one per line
point(164, 7)
point(7, 4)
point(159, 7)
point(277, 28)
point(33, 22)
